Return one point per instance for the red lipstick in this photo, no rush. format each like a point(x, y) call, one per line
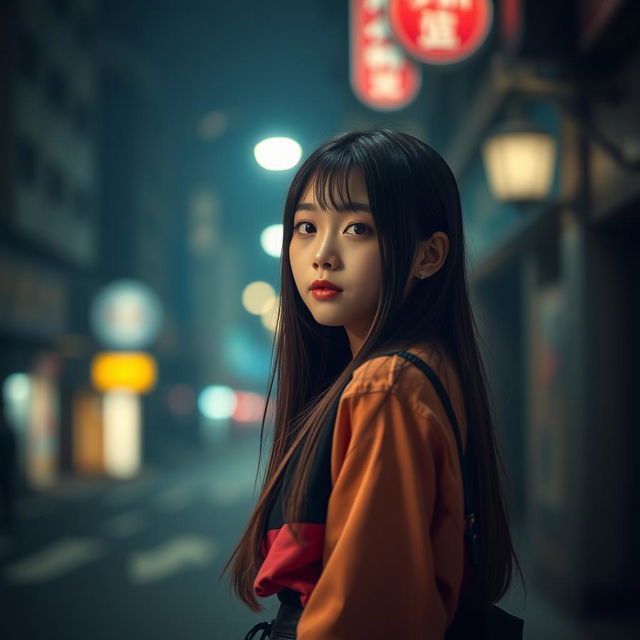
point(324, 284)
point(324, 290)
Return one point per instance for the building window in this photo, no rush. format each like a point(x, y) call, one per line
point(54, 184)
point(27, 162)
point(29, 55)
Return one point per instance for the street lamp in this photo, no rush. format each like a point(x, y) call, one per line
point(277, 154)
point(519, 159)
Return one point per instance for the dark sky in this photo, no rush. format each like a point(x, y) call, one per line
point(287, 59)
point(276, 68)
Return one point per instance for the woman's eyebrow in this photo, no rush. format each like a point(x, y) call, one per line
point(355, 206)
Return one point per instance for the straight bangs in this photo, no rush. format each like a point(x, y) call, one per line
point(330, 173)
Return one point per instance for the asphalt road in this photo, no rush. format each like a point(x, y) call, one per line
point(135, 559)
point(140, 559)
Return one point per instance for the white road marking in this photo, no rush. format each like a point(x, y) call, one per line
point(59, 557)
point(175, 499)
point(125, 524)
point(169, 558)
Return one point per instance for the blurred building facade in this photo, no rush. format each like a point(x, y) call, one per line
point(553, 283)
point(138, 232)
point(49, 214)
point(85, 193)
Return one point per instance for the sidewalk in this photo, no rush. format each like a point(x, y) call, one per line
point(544, 620)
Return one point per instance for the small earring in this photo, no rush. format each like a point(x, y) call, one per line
point(422, 274)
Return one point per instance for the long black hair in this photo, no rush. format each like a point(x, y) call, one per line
point(412, 193)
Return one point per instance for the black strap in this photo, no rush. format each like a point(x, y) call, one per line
point(467, 459)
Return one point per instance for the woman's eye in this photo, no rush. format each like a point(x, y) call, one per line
point(353, 224)
point(300, 224)
point(360, 224)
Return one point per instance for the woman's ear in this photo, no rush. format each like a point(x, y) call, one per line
point(431, 255)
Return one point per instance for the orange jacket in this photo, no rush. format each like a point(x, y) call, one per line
point(386, 559)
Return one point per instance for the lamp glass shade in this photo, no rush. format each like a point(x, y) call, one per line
point(520, 165)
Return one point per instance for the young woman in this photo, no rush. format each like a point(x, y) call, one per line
point(359, 527)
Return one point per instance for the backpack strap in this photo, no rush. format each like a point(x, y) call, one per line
point(467, 459)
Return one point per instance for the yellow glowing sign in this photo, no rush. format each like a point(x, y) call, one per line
point(130, 370)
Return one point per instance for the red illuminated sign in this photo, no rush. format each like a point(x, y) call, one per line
point(382, 76)
point(440, 31)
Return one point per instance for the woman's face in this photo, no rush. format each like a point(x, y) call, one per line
point(340, 246)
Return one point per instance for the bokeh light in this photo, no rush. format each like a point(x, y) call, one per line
point(269, 318)
point(277, 154)
point(258, 297)
point(271, 240)
point(126, 314)
point(133, 371)
point(217, 402)
point(16, 388)
point(249, 408)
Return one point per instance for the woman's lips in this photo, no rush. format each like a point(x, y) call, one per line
point(324, 294)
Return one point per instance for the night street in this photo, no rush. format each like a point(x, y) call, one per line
point(105, 559)
point(132, 559)
point(215, 215)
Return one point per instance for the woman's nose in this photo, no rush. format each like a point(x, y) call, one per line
point(327, 262)
point(325, 254)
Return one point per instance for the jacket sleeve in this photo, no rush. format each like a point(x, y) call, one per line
point(393, 550)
